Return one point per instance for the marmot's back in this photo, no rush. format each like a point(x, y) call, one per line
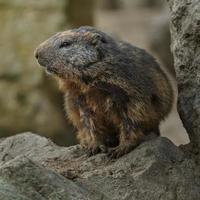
point(144, 80)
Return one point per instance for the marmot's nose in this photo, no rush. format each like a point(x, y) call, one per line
point(37, 53)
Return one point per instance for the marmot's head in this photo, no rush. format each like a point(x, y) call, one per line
point(79, 52)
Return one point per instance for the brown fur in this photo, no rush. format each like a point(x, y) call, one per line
point(105, 125)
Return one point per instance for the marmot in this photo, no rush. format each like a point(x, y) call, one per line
point(115, 93)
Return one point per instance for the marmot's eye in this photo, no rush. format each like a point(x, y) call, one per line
point(65, 44)
point(103, 40)
point(97, 38)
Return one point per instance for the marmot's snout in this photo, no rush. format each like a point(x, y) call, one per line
point(43, 55)
point(39, 55)
point(36, 54)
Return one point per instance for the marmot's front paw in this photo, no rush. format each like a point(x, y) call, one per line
point(120, 150)
point(95, 149)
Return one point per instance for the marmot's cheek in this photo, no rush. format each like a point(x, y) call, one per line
point(83, 56)
point(56, 69)
point(91, 56)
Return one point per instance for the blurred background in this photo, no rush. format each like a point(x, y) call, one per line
point(29, 99)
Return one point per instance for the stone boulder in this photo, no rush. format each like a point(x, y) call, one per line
point(33, 167)
point(185, 46)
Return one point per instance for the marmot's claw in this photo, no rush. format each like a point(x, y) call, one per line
point(96, 149)
point(103, 148)
point(119, 151)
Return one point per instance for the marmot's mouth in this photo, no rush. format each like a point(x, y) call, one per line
point(50, 70)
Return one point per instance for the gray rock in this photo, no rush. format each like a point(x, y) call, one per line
point(32, 167)
point(27, 180)
point(185, 33)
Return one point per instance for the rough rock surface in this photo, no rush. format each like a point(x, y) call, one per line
point(32, 167)
point(185, 34)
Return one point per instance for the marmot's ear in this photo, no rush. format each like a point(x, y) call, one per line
point(97, 38)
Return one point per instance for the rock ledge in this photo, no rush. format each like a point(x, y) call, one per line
point(33, 167)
